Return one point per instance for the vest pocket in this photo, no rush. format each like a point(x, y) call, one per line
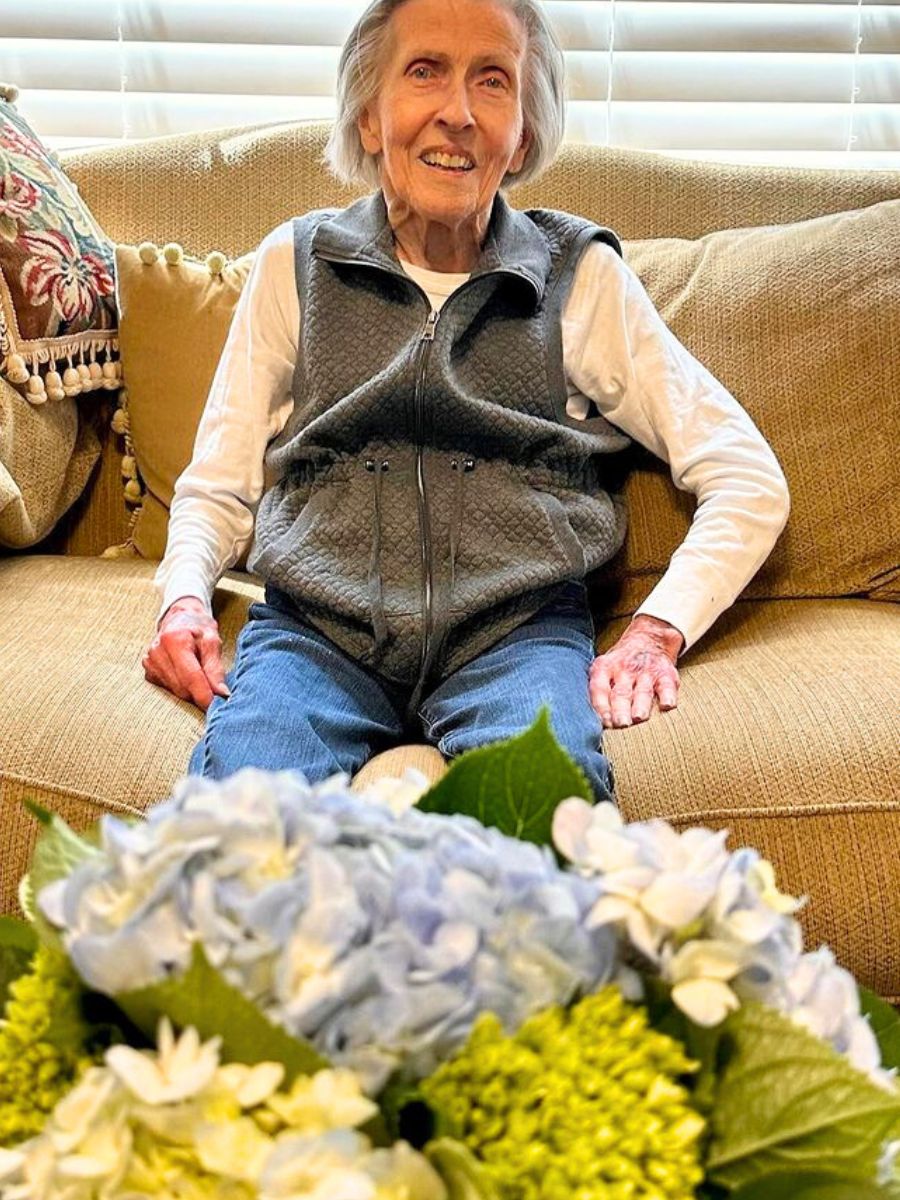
point(514, 537)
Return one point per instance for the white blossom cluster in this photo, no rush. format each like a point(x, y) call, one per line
point(174, 1122)
point(713, 924)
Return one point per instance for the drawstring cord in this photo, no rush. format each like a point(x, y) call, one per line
point(376, 590)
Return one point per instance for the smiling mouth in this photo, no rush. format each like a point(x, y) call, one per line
point(447, 170)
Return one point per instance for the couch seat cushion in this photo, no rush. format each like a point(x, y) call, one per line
point(787, 733)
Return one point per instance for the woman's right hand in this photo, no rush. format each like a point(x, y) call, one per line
point(185, 656)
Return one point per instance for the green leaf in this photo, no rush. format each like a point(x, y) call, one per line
point(513, 784)
point(787, 1101)
point(803, 1185)
point(18, 943)
point(885, 1022)
point(202, 997)
point(461, 1172)
point(59, 850)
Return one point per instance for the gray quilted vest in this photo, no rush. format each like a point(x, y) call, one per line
point(431, 491)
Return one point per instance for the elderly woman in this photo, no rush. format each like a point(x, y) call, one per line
point(439, 388)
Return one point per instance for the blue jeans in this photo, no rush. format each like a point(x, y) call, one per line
point(298, 701)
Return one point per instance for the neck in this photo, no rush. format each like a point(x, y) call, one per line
point(437, 245)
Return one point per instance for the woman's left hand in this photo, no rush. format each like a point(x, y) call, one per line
point(624, 679)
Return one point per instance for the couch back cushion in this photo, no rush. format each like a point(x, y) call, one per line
point(226, 189)
point(799, 322)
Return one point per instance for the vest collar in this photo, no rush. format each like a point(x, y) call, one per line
point(362, 233)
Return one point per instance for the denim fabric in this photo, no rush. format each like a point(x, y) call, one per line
point(298, 701)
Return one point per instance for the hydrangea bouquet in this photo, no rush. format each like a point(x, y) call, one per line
point(489, 989)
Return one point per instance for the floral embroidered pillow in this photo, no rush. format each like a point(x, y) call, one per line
point(58, 320)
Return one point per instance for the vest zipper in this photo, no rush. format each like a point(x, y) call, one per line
point(425, 340)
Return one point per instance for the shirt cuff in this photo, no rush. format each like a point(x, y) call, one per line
point(688, 603)
point(184, 582)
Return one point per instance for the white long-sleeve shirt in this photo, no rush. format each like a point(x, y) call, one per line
point(618, 355)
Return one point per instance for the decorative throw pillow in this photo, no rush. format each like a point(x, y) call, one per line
point(47, 454)
point(57, 304)
point(800, 322)
point(174, 316)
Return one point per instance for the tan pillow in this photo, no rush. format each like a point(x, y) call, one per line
point(47, 453)
point(801, 323)
point(174, 318)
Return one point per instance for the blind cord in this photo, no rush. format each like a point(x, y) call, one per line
point(123, 77)
point(854, 87)
point(609, 69)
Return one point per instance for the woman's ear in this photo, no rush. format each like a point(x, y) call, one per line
point(369, 132)
point(518, 158)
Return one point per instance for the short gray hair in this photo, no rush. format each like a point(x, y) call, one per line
point(359, 76)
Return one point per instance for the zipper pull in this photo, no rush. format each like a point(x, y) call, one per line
point(428, 331)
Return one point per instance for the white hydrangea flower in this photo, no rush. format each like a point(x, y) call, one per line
point(714, 924)
point(329, 1099)
point(824, 998)
point(655, 881)
point(700, 972)
point(180, 1069)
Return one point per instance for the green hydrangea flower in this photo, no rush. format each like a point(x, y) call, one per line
point(580, 1104)
point(37, 1065)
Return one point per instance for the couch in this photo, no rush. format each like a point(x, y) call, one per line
point(788, 724)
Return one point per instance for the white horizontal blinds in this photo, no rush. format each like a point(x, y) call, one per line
point(793, 82)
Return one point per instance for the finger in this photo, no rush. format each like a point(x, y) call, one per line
point(191, 675)
point(621, 698)
point(210, 646)
point(642, 696)
point(167, 669)
point(599, 688)
point(667, 689)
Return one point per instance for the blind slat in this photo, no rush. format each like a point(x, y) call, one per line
point(648, 124)
point(289, 70)
point(698, 77)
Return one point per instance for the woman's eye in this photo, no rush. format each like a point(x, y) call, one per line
point(420, 68)
point(494, 79)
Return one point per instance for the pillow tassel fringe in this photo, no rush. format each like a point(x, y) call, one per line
point(77, 378)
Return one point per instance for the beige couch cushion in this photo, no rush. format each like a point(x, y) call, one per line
point(799, 322)
point(267, 173)
point(809, 783)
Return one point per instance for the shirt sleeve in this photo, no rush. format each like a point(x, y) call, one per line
point(620, 354)
point(216, 496)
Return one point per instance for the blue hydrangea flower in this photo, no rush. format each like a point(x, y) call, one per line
point(379, 936)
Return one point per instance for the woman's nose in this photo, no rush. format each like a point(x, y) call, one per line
point(455, 110)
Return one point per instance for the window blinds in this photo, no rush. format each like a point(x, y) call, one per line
point(735, 80)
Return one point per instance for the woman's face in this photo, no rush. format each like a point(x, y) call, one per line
point(451, 81)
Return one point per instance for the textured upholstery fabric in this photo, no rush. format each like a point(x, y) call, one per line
point(800, 322)
point(786, 733)
point(47, 453)
point(173, 321)
point(226, 189)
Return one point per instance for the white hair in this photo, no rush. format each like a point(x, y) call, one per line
point(359, 77)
